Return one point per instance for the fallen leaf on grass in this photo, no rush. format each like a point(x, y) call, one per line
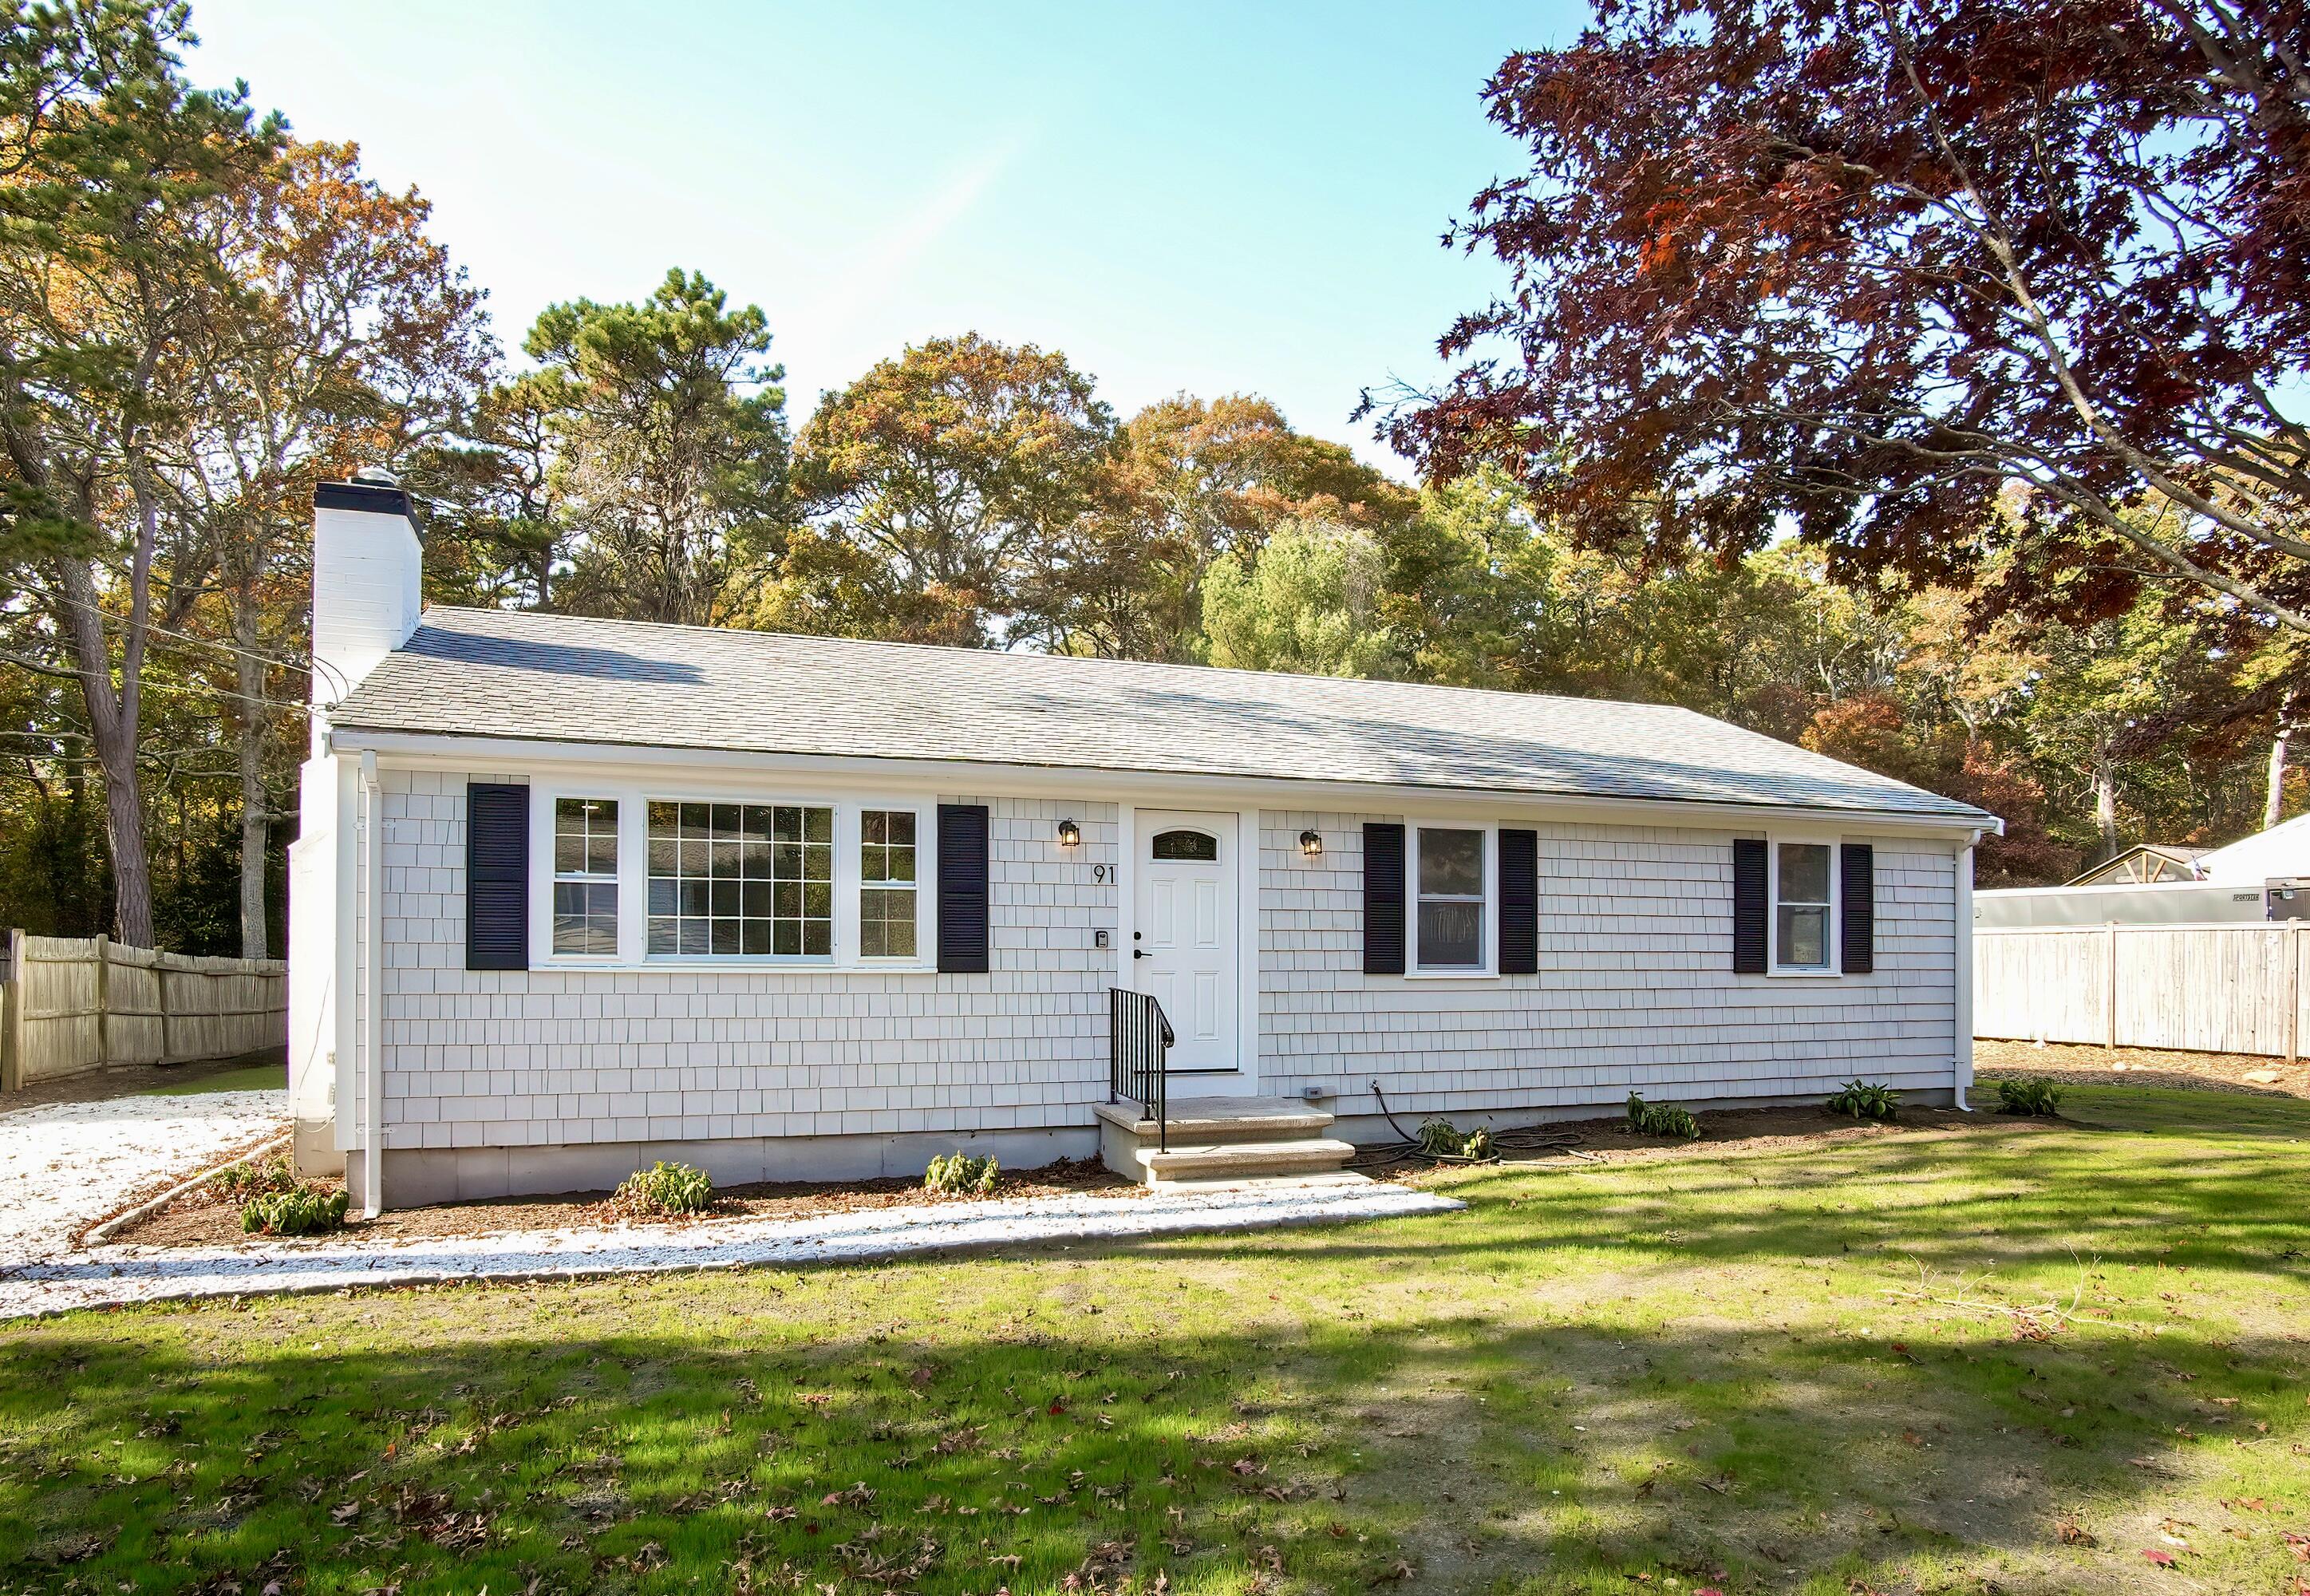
point(2164, 1559)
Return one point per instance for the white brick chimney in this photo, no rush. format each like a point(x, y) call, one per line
point(368, 590)
point(367, 584)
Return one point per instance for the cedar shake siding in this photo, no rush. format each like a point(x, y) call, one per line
point(1635, 987)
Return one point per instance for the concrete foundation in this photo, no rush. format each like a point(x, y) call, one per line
point(415, 1178)
point(313, 1144)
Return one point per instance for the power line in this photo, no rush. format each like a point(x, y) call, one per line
point(312, 667)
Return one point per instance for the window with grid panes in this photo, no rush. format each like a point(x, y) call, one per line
point(740, 879)
point(585, 875)
point(886, 883)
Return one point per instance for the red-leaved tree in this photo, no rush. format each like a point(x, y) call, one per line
point(1863, 266)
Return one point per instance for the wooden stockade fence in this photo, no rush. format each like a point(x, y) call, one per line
point(69, 1004)
point(2231, 988)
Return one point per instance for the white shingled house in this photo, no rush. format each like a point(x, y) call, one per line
point(572, 895)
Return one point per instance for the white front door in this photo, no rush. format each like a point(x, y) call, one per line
point(1184, 945)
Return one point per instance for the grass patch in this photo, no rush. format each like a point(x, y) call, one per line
point(1823, 1370)
point(253, 1078)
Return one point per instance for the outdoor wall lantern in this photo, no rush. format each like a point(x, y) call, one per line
point(1311, 842)
point(1070, 833)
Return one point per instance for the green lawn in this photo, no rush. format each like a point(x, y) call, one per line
point(1794, 1370)
point(249, 1077)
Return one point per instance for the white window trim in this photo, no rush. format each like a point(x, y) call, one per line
point(1834, 970)
point(1488, 916)
point(633, 953)
point(850, 834)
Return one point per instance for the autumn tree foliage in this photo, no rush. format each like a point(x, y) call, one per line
point(933, 479)
point(1860, 266)
point(1186, 483)
point(109, 161)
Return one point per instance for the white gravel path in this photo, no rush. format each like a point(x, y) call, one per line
point(66, 1166)
point(62, 1167)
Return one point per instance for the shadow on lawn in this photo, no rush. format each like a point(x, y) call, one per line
point(592, 1458)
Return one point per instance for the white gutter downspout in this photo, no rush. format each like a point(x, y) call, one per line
point(372, 965)
point(1961, 1055)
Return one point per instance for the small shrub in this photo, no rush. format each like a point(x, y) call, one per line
point(2036, 1097)
point(1439, 1138)
point(256, 1179)
point(1865, 1099)
point(663, 1189)
point(1660, 1119)
point(960, 1175)
point(300, 1210)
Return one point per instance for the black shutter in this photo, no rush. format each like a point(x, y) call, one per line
point(1858, 884)
point(962, 887)
point(1519, 903)
point(1383, 899)
point(496, 876)
point(1749, 906)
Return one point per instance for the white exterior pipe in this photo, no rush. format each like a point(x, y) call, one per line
point(372, 1035)
point(1961, 973)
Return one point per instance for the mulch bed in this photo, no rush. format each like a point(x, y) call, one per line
point(2072, 1066)
point(205, 1219)
point(202, 1219)
point(1756, 1130)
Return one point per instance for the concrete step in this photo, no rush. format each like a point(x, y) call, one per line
point(1242, 1160)
point(1223, 1119)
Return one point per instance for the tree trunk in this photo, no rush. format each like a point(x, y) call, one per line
point(112, 717)
point(2104, 793)
point(255, 818)
point(2273, 797)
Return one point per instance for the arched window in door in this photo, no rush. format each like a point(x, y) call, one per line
point(1195, 847)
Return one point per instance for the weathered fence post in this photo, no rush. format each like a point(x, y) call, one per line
point(2109, 991)
point(12, 1015)
point(103, 1000)
point(2293, 991)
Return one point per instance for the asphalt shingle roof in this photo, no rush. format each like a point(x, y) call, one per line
point(519, 674)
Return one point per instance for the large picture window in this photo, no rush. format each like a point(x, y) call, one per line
point(886, 883)
point(735, 879)
point(1803, 877)
point(585, 876)
point(1450, 891)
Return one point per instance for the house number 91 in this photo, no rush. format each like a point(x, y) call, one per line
point(1099, 872)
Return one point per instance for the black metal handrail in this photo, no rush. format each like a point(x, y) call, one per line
point(1137, 1035)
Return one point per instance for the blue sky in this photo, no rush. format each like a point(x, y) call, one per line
point(1208, 199)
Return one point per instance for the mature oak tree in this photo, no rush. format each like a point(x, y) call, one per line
point(1860, 265)
point(1188, 481)
point(932, 481)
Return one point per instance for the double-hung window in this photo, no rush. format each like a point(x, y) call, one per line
point(1805, 880)
point(1448, 884)
point(735, 879)
point(887, 886)
point(585, 876)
